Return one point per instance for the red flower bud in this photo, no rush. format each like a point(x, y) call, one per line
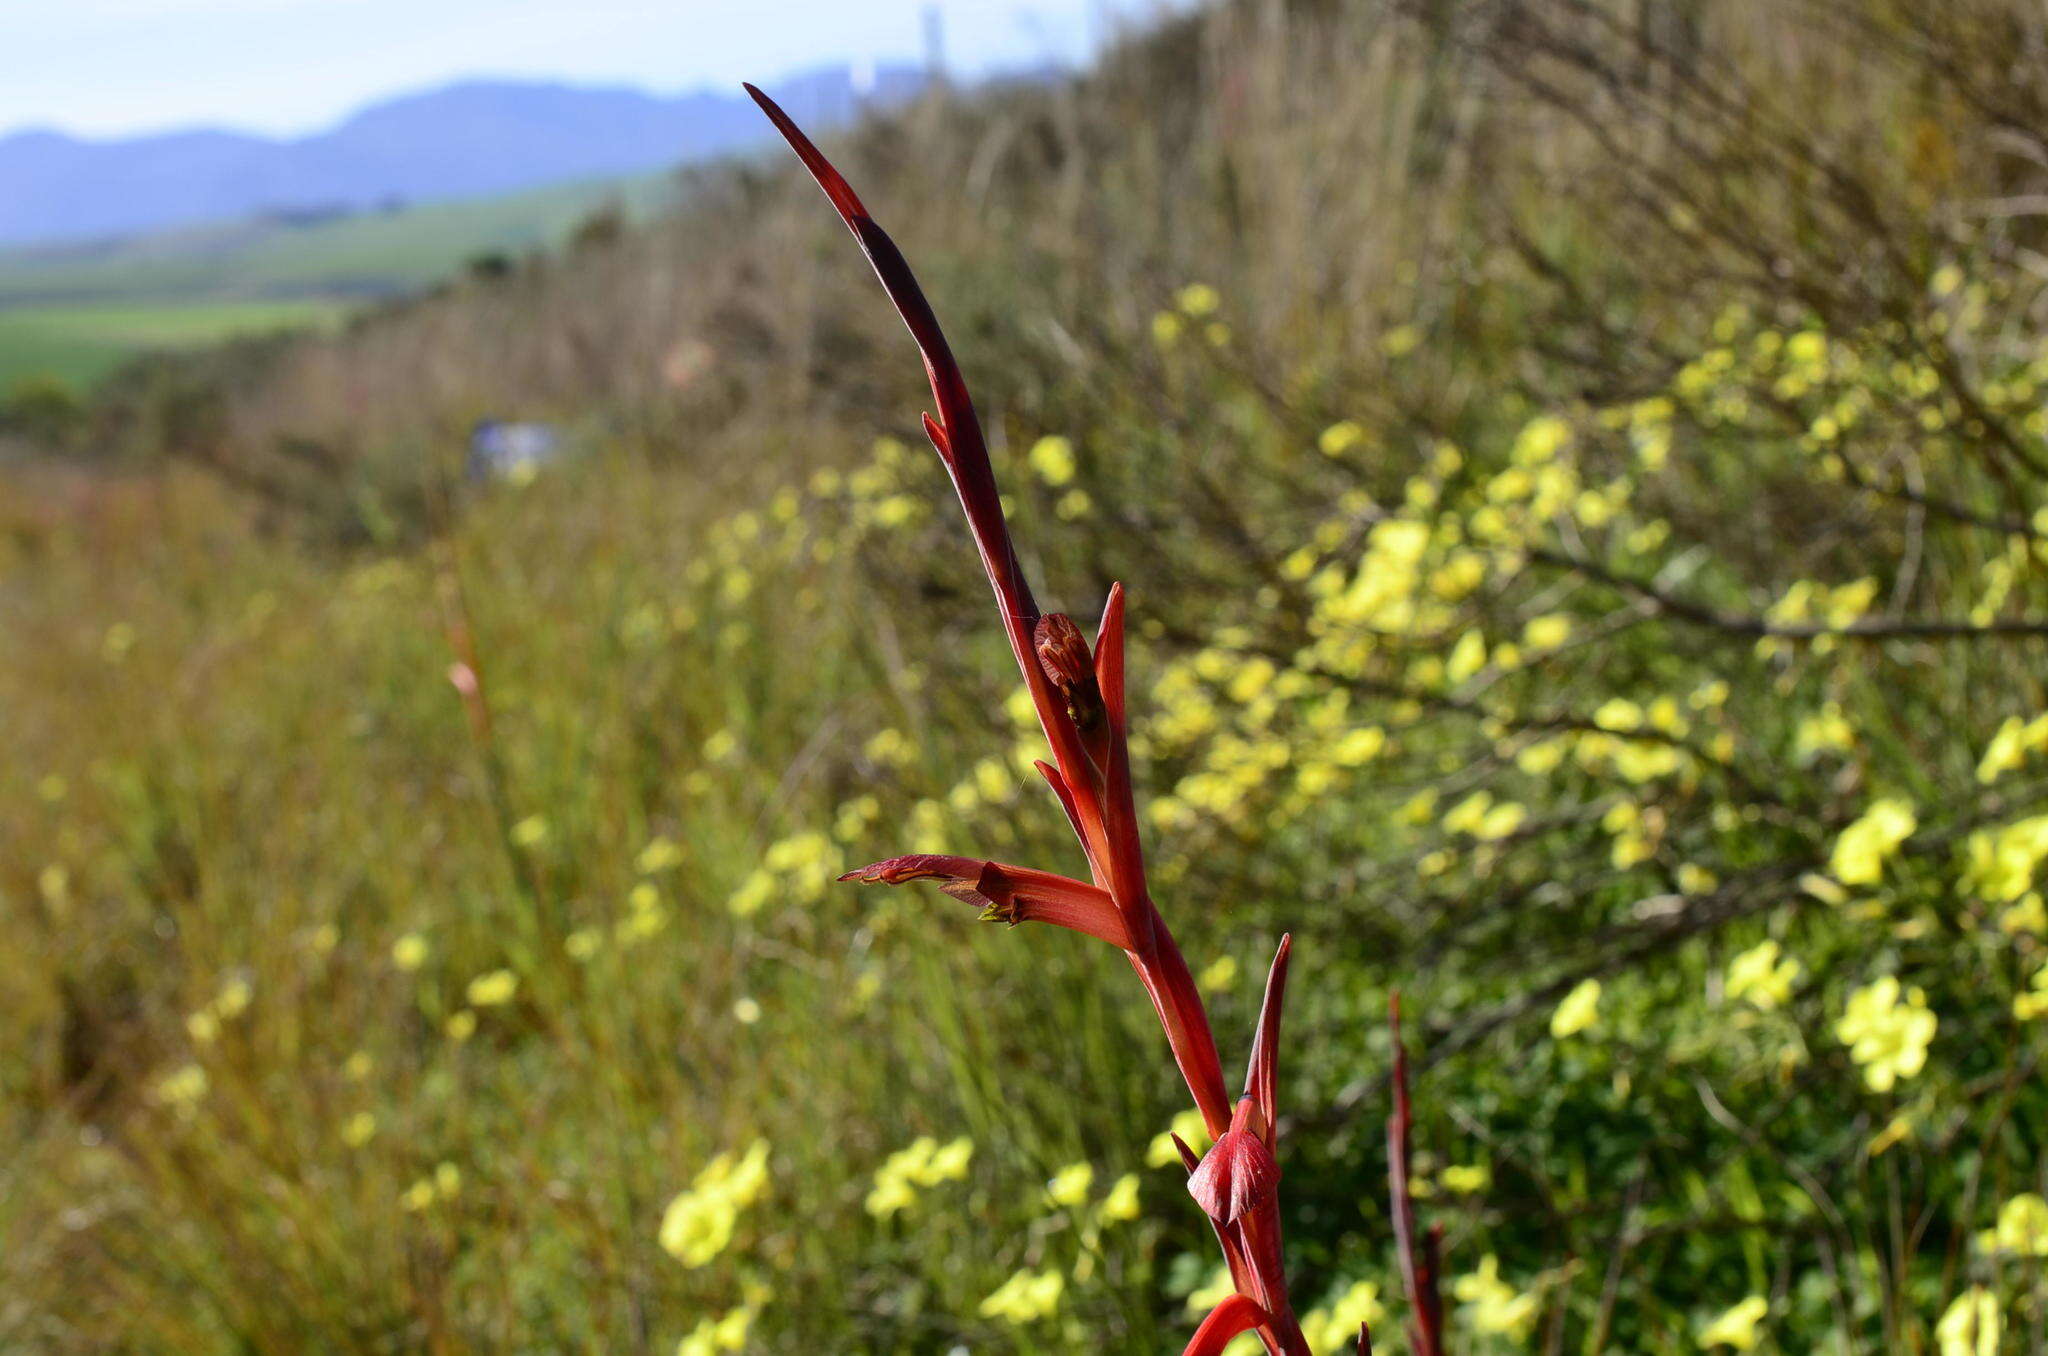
point(1063, 655)
point(1238, 1174)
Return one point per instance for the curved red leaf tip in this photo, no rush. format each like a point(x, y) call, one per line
point(1364, 1340)
point(1189, 1159)
point(916, 866)
point(836, 188)
point(1235, 1315)
point(1009, 894)
point(1235, 1177)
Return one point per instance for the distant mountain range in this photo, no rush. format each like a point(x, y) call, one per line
point(464, 140)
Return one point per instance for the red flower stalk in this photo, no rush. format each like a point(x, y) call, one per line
point(1420, 1265)
point(1079, 696)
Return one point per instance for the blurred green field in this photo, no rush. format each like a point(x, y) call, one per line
point(81, 343)
point(1613, 618)
point(78, 312)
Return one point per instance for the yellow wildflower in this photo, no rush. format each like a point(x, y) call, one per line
point(1547, 632)
point(493, 990)
point(2029, 916)
point(1026, 1297)
point(1887, 1030)
point(1861, 850)
point(1198, 299)
point(2022, 1227)
point(1761, 976)
point(699, 1222)
point(1972, 1326)
point(1826, 731)
point(182, 1087)
point(754, 892)
point(2034, 1003)
point(1737, 1327)
point(1052, 457)
point(1464, 1179)
point(1496, 1307)
point(1189, 1126)
point(1219, 974)
point(659, 855)
point(1895, 1130)
point(1122, 1201)
point(2010, 746)
point(1069, 1186)
point(409, 952)
point(1333, 1326)
point(1578, 1012)
point(1468, 814)
point(1341, 437)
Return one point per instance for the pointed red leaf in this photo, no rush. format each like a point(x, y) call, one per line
point(1109, 656)
point(1235, 1315)
point(1009, 894)
point(1261, 1079)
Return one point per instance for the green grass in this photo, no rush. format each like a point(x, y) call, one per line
point(366, 254)
point(79, 311)
point(83, 342)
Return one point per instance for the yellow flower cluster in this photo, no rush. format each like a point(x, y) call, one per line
point(445, 1184)
point(1477, 816)
point(797, 869)
point(698, 1224)
point(181, 1088)
point(1972, 1325)
point(2000, 863)
point(2009, 748)
point(2022, 1228)
point(1863, 847)
point(1026, 1297)
point(728, 1332)
point(232, 1000)
point(494, 989)
point(1826, 731)
point(1333, 1325)
point(924, 1162)
point(1494, 1307)
point(1069, 1186)
point(2033, 1002)
point(1762, 975)
point(1887, 1029)
point(1188, 1125)
point(1737, 1327)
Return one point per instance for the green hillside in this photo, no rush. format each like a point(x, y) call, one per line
point(79, 311)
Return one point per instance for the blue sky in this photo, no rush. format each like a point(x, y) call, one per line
point(116, 67)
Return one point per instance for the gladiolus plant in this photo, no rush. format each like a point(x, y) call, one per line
point(1078, 692)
